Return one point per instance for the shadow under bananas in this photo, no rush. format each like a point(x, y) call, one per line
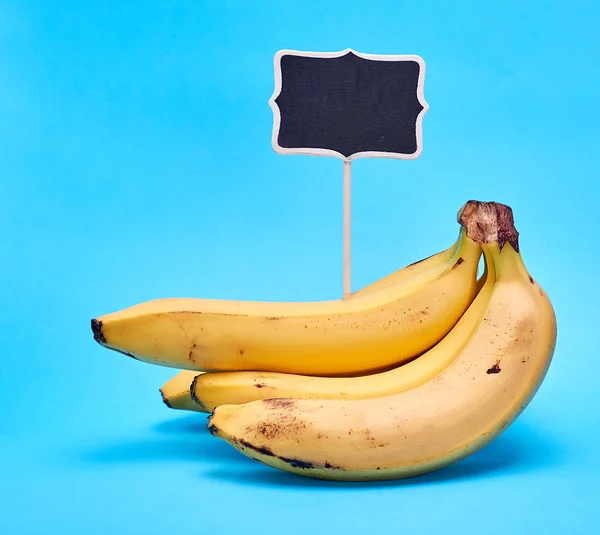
point(522, 448)
point(181, 439)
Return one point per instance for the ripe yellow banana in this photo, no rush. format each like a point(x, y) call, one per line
point(176, 391)
point(360, 335)
point(431, 426)
point(210, 390)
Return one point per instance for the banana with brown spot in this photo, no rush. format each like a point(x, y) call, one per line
point(202, 392)
point(209, 390)
point(364, 334)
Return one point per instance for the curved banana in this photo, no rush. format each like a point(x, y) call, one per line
point(455, 414)
point(363, 334)
point(210, 390)
point(176, 391)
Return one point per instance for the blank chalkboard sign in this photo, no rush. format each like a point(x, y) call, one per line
point(348, 105)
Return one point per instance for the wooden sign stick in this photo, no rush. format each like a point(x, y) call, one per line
point(347, 226)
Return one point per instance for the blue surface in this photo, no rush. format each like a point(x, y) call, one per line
point(136, 163)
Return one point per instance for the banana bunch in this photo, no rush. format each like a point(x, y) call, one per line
point(407, 375)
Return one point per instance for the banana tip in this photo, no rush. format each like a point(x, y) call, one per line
point(164, 398)
point(97, 330)
point(101, 339)
point(212, 428)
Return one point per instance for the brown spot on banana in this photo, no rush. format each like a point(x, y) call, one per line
point(260, 449)
point(213, 429)
point(97, 330)
point(458, 262)
point(270, 430)
point(294, 463)
point(286, 426)
point(279, 403)
point(298, 463)
point(495, 368)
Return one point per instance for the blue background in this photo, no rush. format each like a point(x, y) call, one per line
point(135, 163)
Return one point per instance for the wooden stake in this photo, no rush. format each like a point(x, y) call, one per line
point(347, 206)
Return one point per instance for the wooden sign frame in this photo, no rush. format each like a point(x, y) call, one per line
point(328, 152)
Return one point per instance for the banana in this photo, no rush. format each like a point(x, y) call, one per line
point(176, 391)
point(364, 334)
point(210, 390)
point(433, 425)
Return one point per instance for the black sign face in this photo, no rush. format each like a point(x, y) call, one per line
point(348, 105)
